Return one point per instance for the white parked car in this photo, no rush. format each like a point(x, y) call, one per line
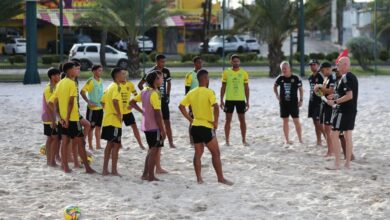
point(88, 54)
point(148, 43)
point(232, 44)
point(143, 42)
point(15, 46)
point(253, 45)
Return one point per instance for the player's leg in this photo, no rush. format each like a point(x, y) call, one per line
point(157, 159)
point(98, 131)
point(83, 153)
point(107, 156)
point(199, 149)
point(137, 136)
point(348, 152)
point(152, 161)
point(329, 141)
point(216, 159)
point(64, 153)
point(228, 122)
point(115, 157)
point(240, 107)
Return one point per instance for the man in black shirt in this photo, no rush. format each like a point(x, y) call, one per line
point(345, 102)
point(315, 101)
point(288, 99)
point(325, 89)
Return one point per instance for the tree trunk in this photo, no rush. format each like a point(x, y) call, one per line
point(103, 48)
point(133, 59)
point(275, 57)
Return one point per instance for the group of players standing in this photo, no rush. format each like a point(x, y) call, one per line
point(332, 107)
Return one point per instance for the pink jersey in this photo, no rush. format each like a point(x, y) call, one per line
point(148, 119)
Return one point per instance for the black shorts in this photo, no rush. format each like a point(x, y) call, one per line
point(129, 119)
point(289, 108)
point(239, 105)
point(48, 131)
point(202, 134)
point(95, 117)
point(343, 121)
point(111, 133)
point(153, 138)
point(314, 110)
point(165, 109)
point(326, 114)
point(74, 130)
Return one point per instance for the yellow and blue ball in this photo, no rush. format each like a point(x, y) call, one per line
point(72, 212)
point(42, 150)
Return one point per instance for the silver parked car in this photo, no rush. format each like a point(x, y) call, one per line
point(232, 44)
point(88, 54)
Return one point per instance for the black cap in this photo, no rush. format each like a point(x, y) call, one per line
point(313, 61)
point(325, 65)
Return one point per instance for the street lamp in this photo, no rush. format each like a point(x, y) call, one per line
point(31, 76)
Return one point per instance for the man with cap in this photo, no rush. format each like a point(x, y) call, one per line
point(325, 89)
point(315, 100)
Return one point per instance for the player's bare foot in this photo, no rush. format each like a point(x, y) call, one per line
point(288, 142)
point(172, 145)
point(67, 170)
point(153, 179)
point(246, 144)
point(77, 166)
point(335, 167)
point(226, 182)
point(105, 173)
point(227, 143)
point(161, 171)
point(54, 164)
point(329, 154)
point(142, 147)
point(347, 166)
point(143, 177)
point(200, 181)
point(116, 174)
point(90, 171)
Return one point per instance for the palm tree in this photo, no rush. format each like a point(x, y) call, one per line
point(273, 20)
point(10, 9)
point(124, 19)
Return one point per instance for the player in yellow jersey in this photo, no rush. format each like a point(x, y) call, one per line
point(70, 127)
point(235, 91)
point(112, 121)
point(127, 90)
point(204, 123)
point(50, 123)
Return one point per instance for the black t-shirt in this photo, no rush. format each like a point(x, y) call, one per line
point(329, 82)
point(348, 82)
point(288, 88)
point(167, 77)
point(313, 80)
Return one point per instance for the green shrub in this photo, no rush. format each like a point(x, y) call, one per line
point(384, 55)
point(247, 57)
point(210, 58)
point(329, 57)
point(16, 59)
point(187, 57)
point(143, 57)
point(313, 56)
point(49, 59)
point(152, 56)
point(320, 56)
point(362, 50)
point(297, 57)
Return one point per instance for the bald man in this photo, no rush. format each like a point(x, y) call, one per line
point(345, 103)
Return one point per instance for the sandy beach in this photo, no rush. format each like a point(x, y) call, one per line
point(272, 180)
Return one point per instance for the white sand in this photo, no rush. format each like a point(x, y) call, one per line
point(272, 181)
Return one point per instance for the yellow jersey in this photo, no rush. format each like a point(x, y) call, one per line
point(110, 117)
point(66, 90)
point(127, 89)
point(235, 84)
point(47, 93)
point(201, 100)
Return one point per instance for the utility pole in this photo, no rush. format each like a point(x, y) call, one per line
point(375, 38)
point(31, 76)
point(223, 32)
point(302, 36)
point(61, 31)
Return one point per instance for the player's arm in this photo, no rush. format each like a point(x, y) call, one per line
point(134, 105)
point(70, 109)
point(276, 91)
point(247, 95)
point(222, 94)
point(183, 104)
point(115, 102)
point(300, 102)
point(216, 115)
point(141, 83)
point(156, 103)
